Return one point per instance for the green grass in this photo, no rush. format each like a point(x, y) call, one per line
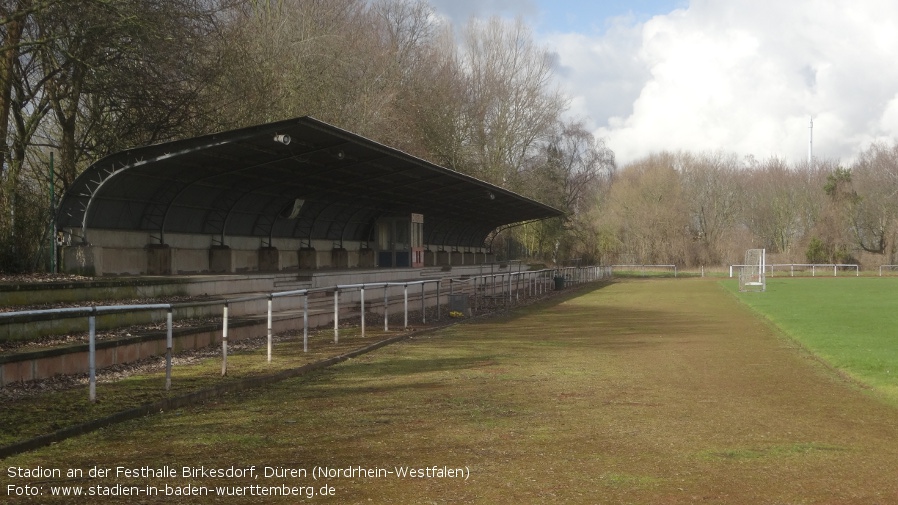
point(44, 413)
point(849, 322)
point(650, 273)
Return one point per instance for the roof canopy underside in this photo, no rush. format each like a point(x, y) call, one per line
point(247, 183)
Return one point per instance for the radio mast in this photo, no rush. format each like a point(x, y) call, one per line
point(811, 143)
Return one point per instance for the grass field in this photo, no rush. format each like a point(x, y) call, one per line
point(850, 322)
point(665, 391)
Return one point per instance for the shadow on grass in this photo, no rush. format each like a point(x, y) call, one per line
point(545, 303)
point(34, 418)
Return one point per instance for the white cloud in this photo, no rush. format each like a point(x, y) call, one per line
point(889, 120)
point(460, 11)
point(741, 75)
point(603, 76)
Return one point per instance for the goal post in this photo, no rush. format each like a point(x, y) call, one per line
point(752, 276)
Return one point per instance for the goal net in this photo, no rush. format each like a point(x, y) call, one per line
point(752, 277)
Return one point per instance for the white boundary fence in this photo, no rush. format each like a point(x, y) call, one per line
point(803, 267)
point(504, 287)
point(890, 267)
point(643, 268)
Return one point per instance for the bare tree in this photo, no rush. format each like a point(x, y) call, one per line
point(335, 60)
point(712, 191)
point(435, 106)
point(23, 108)
point(647, 209)
point(874, 214)
point(572, 163)
point(782, 205)
point(513, 103)
point(82, 78)
point(123, 72)
point(568, 173)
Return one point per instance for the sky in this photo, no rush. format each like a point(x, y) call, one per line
point(743, 76)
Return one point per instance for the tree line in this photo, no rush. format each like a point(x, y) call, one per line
point(80, 79)
point(695, 209)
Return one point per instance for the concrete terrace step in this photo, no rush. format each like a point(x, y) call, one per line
point(31, 327)
point(247, 317)
point(73, 358)
point(246, 320)
point(293, 283)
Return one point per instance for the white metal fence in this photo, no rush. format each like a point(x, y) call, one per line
point(505, 287)
point(644, 269)
point(890, 268)
point(823, 268)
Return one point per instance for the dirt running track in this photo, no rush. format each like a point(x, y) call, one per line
point(650, 392)
point(714, 405)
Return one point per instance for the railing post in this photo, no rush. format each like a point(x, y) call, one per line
point(405, 304)
point(362, 295)
point(305, 322)
point(439, 283)
point(269, 328)
point(423, 305)
point(224, 340)
point(386, 302)
point(476, 305)
point(92, 354)
point(336, 315)
point(168, 348)
point(509, 289)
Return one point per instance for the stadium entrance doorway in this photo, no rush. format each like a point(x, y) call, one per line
point(400, 241)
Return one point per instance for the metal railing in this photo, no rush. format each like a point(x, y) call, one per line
point(508, 285)
point(890, 267)
point(644, 267)
point(803, 267)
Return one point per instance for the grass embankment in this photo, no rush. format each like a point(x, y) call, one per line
point(663, 391)
point(849, 322)
point(44, 413)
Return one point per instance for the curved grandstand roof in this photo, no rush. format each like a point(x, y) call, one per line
point(250, 182)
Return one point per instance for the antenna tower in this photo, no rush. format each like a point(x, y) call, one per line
point(811, 143)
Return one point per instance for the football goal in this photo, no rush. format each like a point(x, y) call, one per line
point(752, 277)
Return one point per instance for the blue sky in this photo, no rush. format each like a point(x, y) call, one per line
point(741, 76)
point(586, 16)
point(546, 16)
